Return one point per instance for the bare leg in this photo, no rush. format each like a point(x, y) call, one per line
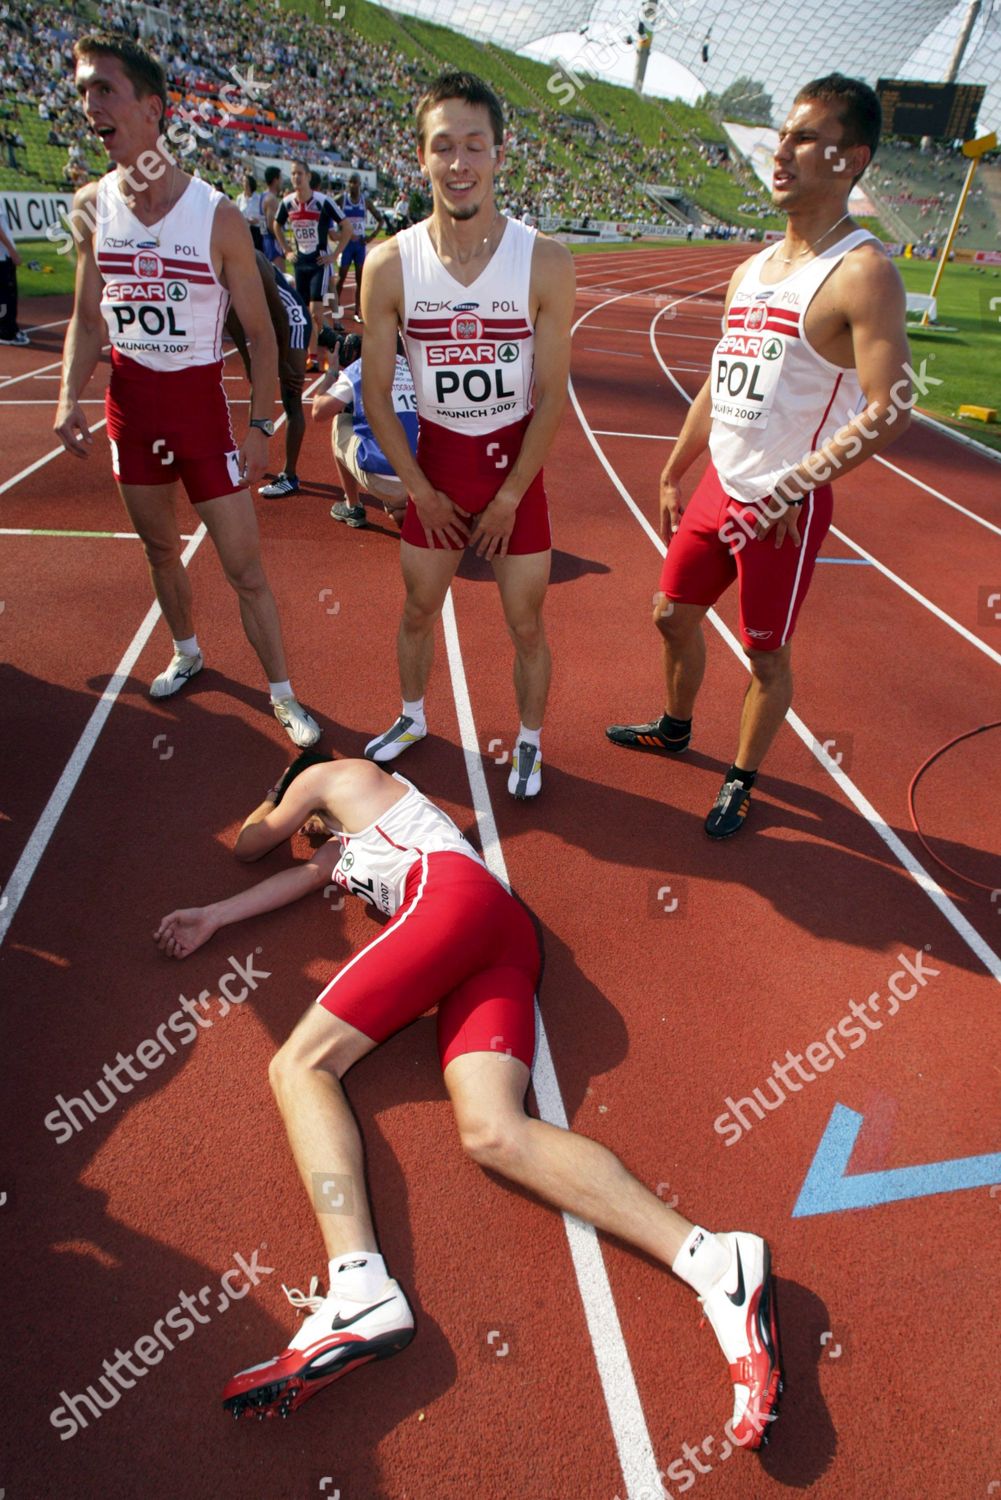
point(348, 483)
point(570, 1171)
point(766, 703)
point(427, 573)
point(680, 626)
point(316, 310)
point(322, 1131)
point(232, 525)
point(152, 512)
point(522, 582)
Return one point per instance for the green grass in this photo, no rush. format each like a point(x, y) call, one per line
point(45, 283)
point(965, 354)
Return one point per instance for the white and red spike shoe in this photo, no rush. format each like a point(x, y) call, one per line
point(741, 1309)
point(339, 1335)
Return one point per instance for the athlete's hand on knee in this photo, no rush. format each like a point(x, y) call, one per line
point(253, 456)
point(494, 526)
point(180, 933)
point(71, 426)
point(671, 509)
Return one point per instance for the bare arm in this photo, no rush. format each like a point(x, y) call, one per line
point(875, 304)
point(85, 334)
point(382, 311)
point(556, 286)
point(238, 271)
point(181, 932)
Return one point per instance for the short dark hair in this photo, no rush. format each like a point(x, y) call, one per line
point(251, 181)
point(142, 69)
point(859, 108)
point(272, 174)
point(456, 85)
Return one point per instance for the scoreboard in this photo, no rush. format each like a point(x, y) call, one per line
point(946, 111)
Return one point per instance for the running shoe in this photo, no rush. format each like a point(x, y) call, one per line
point(741, 1310)
point(20, 339)
point(648, 737)
point(525, 779)
point(301, 728)
point(731, 807)
point(338, 1335)
point(182, 668)
point(399, 737)
point(354, 515)
point(285, 484)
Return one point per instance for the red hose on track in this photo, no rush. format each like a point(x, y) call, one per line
point(958, 740)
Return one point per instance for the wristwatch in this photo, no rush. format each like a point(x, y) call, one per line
point(266, 426)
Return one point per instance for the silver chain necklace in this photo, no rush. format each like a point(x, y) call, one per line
point(787, 260)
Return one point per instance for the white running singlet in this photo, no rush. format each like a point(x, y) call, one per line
point(375, 862)
point(774, 398)
point(163, 303)
point(471, 348)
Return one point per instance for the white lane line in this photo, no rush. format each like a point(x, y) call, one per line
point(618, 1383)
point(30, 374)
point(971, 515)
point(914, 593)
point(656, 437)
point(966, 438)
point(36, 327)
point(988, 957)
point(45, 401)
point(127, 536)
point(9, 484)
point(619, 353)
point(43, 830)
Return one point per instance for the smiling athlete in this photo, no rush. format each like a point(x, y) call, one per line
point(484, 304)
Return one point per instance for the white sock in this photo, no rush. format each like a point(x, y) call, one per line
point(414, 710)
point(280, 690)
point(702, 1260)
point(188, 647)
point(360, 1275)
point(533, 736)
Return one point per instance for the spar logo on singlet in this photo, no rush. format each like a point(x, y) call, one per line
point(746, 367)
point(459, 365)
point(139, 304)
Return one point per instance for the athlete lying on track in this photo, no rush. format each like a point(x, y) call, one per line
point(458, 938)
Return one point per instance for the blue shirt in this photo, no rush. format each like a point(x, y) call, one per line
point(347, 388)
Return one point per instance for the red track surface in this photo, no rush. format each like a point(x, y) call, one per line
point(654, 1015)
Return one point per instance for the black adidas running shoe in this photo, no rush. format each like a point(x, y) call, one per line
point(650, 737)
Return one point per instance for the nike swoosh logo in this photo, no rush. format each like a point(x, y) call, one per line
point(340, 1322)
point(737, 1297)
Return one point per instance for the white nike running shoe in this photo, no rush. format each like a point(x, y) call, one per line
point(182, 668)
point(399, 737)
point(525, 779)
point(741, 1309)
point(301, 728)
point(338, 1335)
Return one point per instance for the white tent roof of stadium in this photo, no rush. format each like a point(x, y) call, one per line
point(778, 43)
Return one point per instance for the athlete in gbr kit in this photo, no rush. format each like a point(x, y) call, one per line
point(810, 378)
point(160, 254)
point(484, 304)
point(310, 217)
point(356, 206)
point(456, 940)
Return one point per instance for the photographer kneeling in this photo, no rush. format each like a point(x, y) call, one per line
point(361, 463)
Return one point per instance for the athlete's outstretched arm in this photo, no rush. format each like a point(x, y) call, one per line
point(553, 277)
point(238, 272)
point(382, 311)
point(85, 334)
point(182, 931)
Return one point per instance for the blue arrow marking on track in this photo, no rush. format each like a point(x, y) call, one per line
point(829, 1189)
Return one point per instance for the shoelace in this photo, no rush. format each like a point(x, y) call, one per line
point(301, 1300)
